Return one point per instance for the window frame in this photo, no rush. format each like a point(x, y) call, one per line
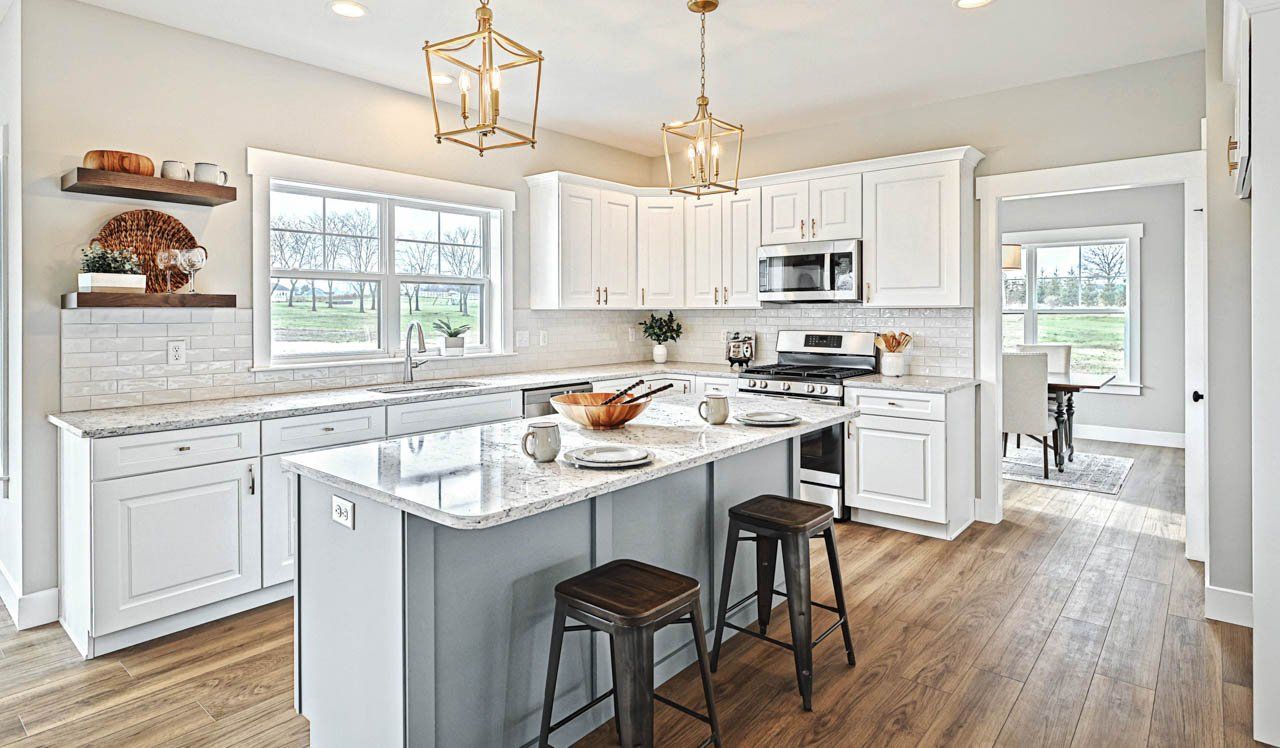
point(273, 171)
point(1129, 381)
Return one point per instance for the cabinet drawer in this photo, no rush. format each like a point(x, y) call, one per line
point(322, 430)
point(435, 415)
point(118, 456)
point(927, 406)
point(708, 385)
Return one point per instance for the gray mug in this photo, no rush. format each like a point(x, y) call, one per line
point(545, 438)
point(714, 410)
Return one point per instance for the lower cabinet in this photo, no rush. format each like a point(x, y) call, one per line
point(679, 385)
point(173, 541)
point(900, 467)
point(716, 385)
point(279, 520)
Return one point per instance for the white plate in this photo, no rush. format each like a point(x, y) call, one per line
point(768, 418)
point(608, 455)
point(605, 465)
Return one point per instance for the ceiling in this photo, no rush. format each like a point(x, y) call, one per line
point(615, 70)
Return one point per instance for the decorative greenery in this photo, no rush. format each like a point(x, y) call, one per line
point(446, 328)
point(98, 259)
point(662, 329)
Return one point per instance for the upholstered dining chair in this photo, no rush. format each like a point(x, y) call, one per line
point(1023, 385)
point(1059, 355)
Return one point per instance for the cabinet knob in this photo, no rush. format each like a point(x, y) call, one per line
point(813, 228)
point(328, 429)
point(642, 296)
point(184, 448)
point(597, 295)
point(726, 294)
point(717, 295)
point(606, 295)
point(1232, 145)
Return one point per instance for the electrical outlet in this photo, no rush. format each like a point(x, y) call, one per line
point(175, 352)
point(542, 337)
point(344, 512)
point(522, 338)
point(631, 334)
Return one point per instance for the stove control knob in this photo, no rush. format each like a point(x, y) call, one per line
point(786, 387)
point(764, 385)
point(809, 389)
point(751, 383)
point(822, 390)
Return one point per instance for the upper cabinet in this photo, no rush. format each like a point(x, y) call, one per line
point(917, 247)
point(1236, 70)
point(660, 246)
point(812, 210)
point(722, 239)
point(583, 246)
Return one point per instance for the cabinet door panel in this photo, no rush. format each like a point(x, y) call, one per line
point(174, 541)
point(835, 208)
point(741, 240)
point(279, 520)
point(703, 259)
point(615, 264)
point(899, 467)
point(786, 212)
point(452, 413)
point(579, 238)
point(660, 246)
point(912, 242)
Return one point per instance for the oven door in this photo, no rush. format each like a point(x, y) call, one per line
point(822, 467)
point(816, 271)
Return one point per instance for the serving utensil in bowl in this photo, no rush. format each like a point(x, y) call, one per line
point(588, 410)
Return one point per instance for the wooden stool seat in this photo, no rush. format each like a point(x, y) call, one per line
point(782, 513)
point(628, 593)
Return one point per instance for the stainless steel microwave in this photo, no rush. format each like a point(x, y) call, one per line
point(811, 271)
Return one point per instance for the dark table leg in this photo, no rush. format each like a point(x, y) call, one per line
point(1071, 426)
point(1060, 415)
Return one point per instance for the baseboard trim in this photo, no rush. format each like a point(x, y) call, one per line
point(29, 611)
point(1174, 439)
point(1228, 606)
point(8, 594)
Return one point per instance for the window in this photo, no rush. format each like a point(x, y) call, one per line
point(1078, 286)
point(350, 271)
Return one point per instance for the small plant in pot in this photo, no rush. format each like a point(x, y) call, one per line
point(453, 342)
point(105, 270)
point(661, 330)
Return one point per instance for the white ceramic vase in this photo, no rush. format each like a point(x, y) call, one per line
point(453, 347)
point(893, 364)
point(659, 354)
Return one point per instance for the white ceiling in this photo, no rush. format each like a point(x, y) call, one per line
point(615, 70)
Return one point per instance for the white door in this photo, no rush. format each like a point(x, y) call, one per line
point(899, 467)
point(911, 236)
point(785, 209)
point(279, 521)
point(835, 208)
point(170, 542)
point(741, 243)
point(579, 243)
point(660, 245)
point(703, 252)
point(615, 266)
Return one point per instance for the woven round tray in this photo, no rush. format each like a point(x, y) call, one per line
point(147, 232)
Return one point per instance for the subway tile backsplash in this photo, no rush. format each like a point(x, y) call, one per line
point(116, 357)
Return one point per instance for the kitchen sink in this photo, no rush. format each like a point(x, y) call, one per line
point(392, 389)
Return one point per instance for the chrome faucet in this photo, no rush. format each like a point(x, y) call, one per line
point(409, 363)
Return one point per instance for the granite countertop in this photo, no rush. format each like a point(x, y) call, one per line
point(478, 477)
point(935, 385)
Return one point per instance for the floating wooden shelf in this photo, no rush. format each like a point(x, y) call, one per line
point(78, 300)
point(118, 184)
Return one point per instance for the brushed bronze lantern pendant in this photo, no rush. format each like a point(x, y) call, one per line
point(712, 146)
point(480, 99)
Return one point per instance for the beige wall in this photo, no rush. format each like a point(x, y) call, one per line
point(11, 123)
point(97, 79)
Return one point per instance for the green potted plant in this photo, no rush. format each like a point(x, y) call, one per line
point(453, 342)
point(104, 270)
point(661, 330)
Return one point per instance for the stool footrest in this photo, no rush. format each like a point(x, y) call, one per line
point(681, 707)
point(581, 711)
point(827, 633)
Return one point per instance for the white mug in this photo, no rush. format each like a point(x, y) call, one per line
point(546, 441)
point(210, 174)
point(175, 170)
point(714, 410)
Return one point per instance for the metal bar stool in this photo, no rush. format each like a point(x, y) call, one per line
point(775, 519)
point(629, 601)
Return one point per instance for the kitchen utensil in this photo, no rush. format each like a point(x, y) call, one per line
point(622, 392)
point(175, 170)
point(210, 174)
point(191, 261)
point(648, 394)
point(589, 411)
point(545, 437)
point(147, 232)
point(120, 161)
point(714, 410)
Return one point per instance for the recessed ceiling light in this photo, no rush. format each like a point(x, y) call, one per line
point(442, 80)
point(348, 8)
point(971, 4)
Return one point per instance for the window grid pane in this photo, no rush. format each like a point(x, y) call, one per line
point(456, 303)
point(314, 317)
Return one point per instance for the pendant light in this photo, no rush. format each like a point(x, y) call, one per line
point(1010, 256)
point(712, 146)
point(478, 62)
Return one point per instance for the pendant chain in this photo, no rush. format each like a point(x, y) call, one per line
point(702, 48)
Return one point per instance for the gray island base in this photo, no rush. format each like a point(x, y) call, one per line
point(427, 622)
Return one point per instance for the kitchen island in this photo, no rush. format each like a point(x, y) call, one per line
point(426, 566)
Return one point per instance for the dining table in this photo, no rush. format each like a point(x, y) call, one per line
point(1063, 387)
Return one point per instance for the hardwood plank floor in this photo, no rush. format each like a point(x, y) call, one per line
point(1076, 621)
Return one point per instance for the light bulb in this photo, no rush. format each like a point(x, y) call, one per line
point(464, 82)
point(495, 79)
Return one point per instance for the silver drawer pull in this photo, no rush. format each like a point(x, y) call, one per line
point(328, 429)
point(894, 405)
point(184, 449)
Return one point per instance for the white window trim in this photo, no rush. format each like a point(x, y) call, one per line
point(265, 166)
point(1132, 234)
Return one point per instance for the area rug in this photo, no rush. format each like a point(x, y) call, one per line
point(1088, 472)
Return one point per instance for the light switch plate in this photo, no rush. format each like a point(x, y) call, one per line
point(522, 338)
point(175, 352)
point(542, 337)
point(344, 512)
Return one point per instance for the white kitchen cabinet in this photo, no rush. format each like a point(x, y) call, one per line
point(704, 262)
point(583, 246)
point(917, 248)
point(681, 385)
point(134, 454)
point(722, 238)
point(822, 209)
point(715, 385)
point(279, 522)
point(616, 262)
point(169, 542)
point(579, 239)
point(660, 250)
point(453, 412)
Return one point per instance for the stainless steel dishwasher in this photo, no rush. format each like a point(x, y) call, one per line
point(538, 402)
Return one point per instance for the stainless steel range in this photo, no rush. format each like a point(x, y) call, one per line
point(815, 365)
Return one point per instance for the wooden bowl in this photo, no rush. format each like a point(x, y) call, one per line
point(584, 408)
point(121, 161)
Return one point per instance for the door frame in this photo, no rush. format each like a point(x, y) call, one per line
point(1187, 169)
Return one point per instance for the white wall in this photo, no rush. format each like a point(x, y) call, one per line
point(1160, 211)
point(11, 130)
